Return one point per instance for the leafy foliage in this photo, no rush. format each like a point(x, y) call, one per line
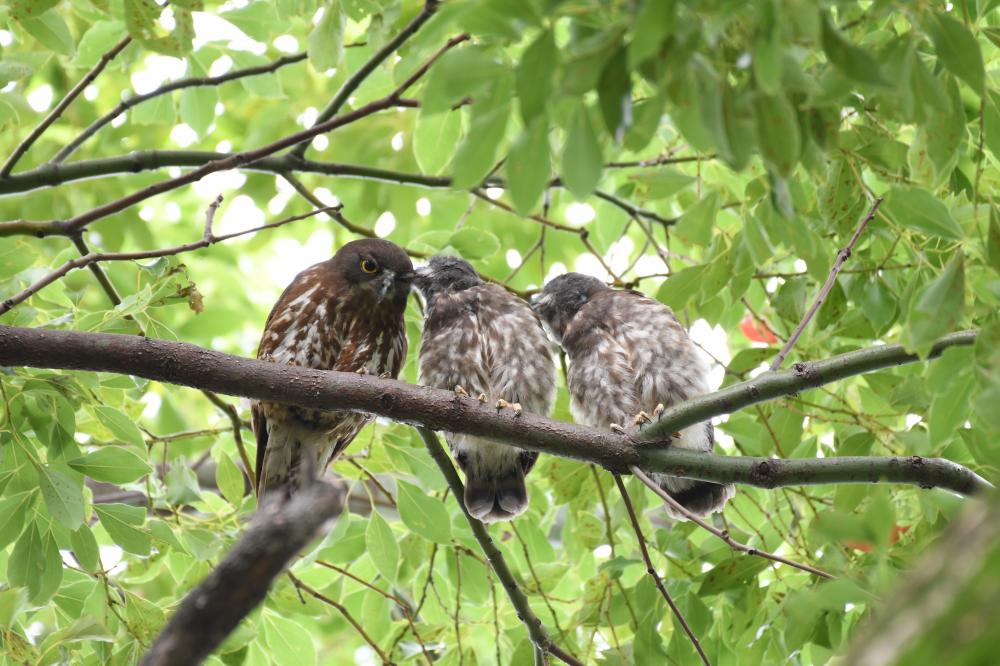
point(748, 137)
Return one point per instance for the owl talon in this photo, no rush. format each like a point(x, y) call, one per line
point(461, 392)
point(658, 412)
point(481, 398)
point(516, 406)
point(640, 419)
point(502, 404)
point(385, 375)
point(362, 371)
point(618, 429)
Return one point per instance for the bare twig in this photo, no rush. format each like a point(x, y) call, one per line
point(724, 535)
point(54, 114)
point(842, 256)
point(166, 88)
point(651, 570)
point(92, 258)
point(536, 631)
point(237, 427)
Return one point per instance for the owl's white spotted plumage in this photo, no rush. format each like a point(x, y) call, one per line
point(342, 314)
point(627, 353)
point(486, 340)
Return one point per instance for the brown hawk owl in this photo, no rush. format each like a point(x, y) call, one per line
point(344, 314)
point(628, 354)
point(482, 338)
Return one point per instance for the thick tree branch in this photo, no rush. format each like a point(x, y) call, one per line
point(188, 365)
point(54, 114)
point(539, 636)
point(241, 580)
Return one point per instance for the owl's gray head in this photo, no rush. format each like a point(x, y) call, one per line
point(444, 274)
point(562, 298)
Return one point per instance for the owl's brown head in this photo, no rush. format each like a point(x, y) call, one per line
point(562, 298)
point(377, 266)
point(442, 275)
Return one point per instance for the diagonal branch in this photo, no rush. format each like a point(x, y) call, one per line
point(651, 570)
point(824, 291)
point(539, 637)
point(241, 580)
point(363, 72)
point(189, 365)
point(724, 535)
point(54, 114)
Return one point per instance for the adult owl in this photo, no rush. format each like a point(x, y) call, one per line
point(628, 355)
point(345, 314)
point(480, 339)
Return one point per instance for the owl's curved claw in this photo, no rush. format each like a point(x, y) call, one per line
point(461, 392)
point(618, 429)
point(481, 398)
point(658, 411)
point(502, 404)
point(385, 375)
point(516, 406)
point(640, 419)
point(362, 371)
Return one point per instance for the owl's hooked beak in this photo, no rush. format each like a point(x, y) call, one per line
point(387, 282)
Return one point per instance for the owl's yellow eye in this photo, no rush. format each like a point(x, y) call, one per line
point(369, 266)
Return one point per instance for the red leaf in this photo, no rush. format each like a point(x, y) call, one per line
point(756, 331)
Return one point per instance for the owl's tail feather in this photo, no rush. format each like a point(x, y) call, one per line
point(701, 497)
point(495, 498)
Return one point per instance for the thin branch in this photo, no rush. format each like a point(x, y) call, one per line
point(363, 72)
point(438, 409)
point(211, 611)
point(651, 570)
point(93, 258)
point(658, 161)
point(842, 256)
point(724, 535)
point(237, 427)
point(536, 631)
point(166, 88)
point(235, 160)
point(54, 114)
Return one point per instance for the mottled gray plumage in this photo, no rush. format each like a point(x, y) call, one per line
point(628, 353)
point(345, 314)
point(488, 341)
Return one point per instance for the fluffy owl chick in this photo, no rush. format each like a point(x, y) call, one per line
point(482, 338)
point(627, 354)
point(345, 314)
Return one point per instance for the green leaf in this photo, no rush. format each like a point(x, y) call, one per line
point(229, 479)
point(680, 287)
point(918, 209)
point(258, 20)
point(778, 132)
point(434, 139)
point(85, 548)
point(852, 60)
point(661, 183)
point(112, 464)
point(957, 49)
point(474, 244)
point(993, 239)
point(121, 522)
point(13, 601)
point(614, 93)
point(96, 41)
point(326, 41)
point(289, 641)
point(748, 359)
point(937, 308)
point(528, 168)
point(381, 545)
point(347, 539)
point(35, 564)
point(534, 76)
point(654, 23)
point(697, 223)
point(51, 31)
point(22, 9)
point(470, 71)
point(582, 162)
point(425, 516)
point(197, 107)
point(63, 497)
point(120, 425)
point(13, 510)
point(12, 71)
point(477, 155)
point(731, 573)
